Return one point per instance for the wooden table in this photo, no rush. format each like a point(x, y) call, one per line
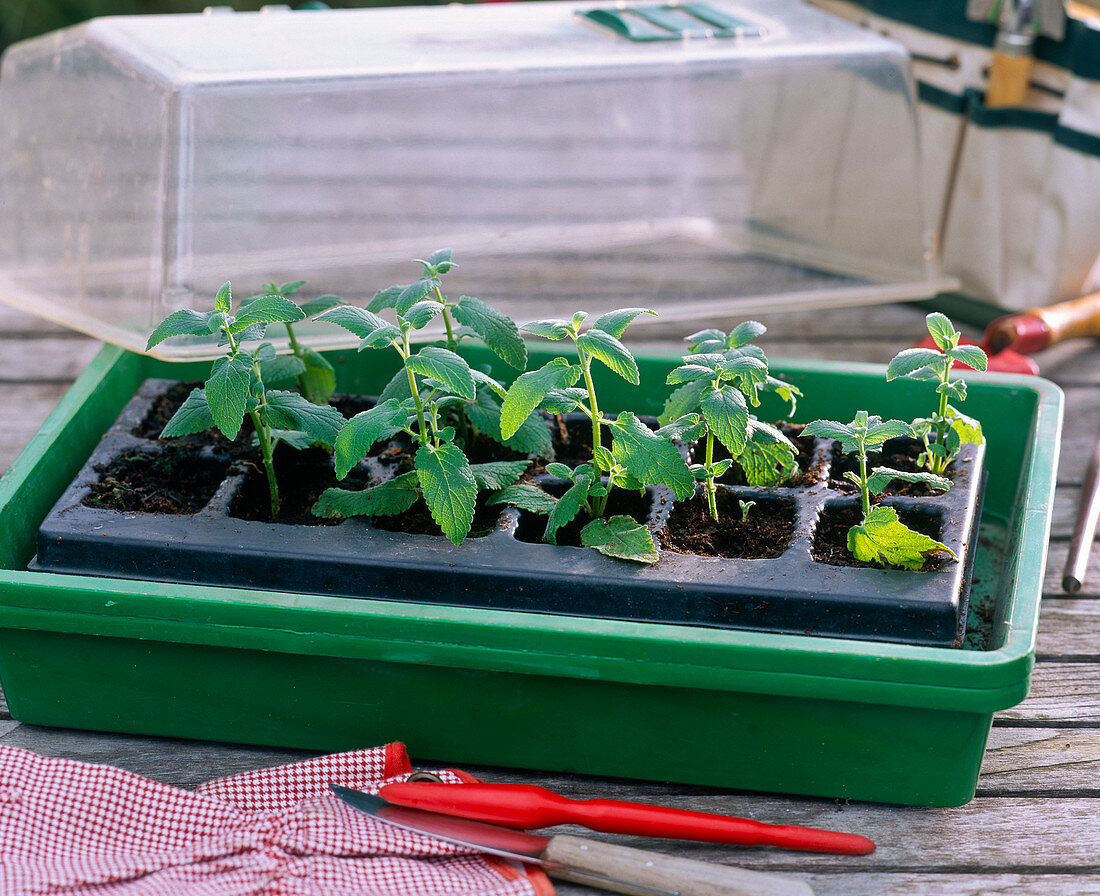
point(1034, 827)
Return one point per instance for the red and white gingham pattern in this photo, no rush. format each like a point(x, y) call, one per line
point(69, 828)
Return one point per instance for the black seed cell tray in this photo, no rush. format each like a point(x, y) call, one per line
point(792, 593)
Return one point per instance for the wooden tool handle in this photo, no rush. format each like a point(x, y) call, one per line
point(1069, 320)
point(622, 869)
point(1008, 80)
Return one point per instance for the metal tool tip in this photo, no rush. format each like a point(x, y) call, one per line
point(1071, 584)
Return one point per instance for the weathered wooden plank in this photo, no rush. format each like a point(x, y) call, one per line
point(1040, 761)
point(1062, 694)
point(1069, 627)
point(24, 408)
point(54, 359)
point(1056, 564)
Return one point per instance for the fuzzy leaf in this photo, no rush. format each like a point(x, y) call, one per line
point(397, 387)
point(531, 388)
point(289, 410)
point(711, 340)
point(607, 349)
point(385, 298)
point(483, 379)
point(784, 390)
point(913, 360)
point(184, 322)
point(446, 367)
point(227, 393)
point(532, 436)
point(449, 488)
point(281, 368)
point(622, 537)
point(192, 416)
point(883, 539)
point(687, 428)
point(413, 293)
point(266, 310)
point(567, 507)
point(421, 314)
point(375, 331)
point(879, 431)
point(614, 323)
point(549, 329)
point(526, 497)
point(882, 476)
point(684, 400)
point(391, 497)
point(767, 460)
point(691, 373)
point(970, 355)
point(362, 431)
point(650, 459)
point(318, 380)
point(498, 331)
point(564, 401)
point(223, 301)
point(744, 333)
point(498, 474)
point(439, 262)
point(942, 331)
point(967, 428)
point(727, 415)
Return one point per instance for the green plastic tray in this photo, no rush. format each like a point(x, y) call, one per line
point(782, 713)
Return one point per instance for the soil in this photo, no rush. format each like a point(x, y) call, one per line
point(830, 543)
point(765, 534)
point(164, 409)
point(417, 520)
point(622, 502)
point(897, 454)
point(175, 480)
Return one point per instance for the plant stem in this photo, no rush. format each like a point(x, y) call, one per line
point(600, 504)
point(405, 352)
point(712, 498)
point(863, 481)
point(269, 463)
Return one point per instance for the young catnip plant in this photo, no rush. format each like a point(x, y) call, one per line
point(637, 457)
point(718, 381)
point(431, 382)
point(880, 538)
point(948, 429)
point(312, 372)
point(236, 387)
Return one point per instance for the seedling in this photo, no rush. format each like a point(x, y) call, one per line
point(314, 375)
point(430, 382)
point(881, 537)
point(419, 304)
point(745, 506)
point(637, 456)
point(235, 386)
point(718, 382)
point(948, 429)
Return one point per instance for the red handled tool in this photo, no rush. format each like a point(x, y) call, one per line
point(527, 807)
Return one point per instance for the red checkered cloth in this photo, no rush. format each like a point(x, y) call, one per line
point(69, 827)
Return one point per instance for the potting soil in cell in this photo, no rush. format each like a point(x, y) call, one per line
point(504, 565)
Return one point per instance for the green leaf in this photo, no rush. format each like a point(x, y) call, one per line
point(559, 470)
point(550, 329)
point(413, 293)
point(375, 331)
point(883, 539)
point(564, 401)
point(299, 441)
point(289, 410)
point(526, 497)
point(288, 289)
point(318, 380)
point(766, 460)
point(567, 507)
point(362, 431)
point(499, 473)
point(912, 360)
point(607, 349)
point(970, 355)
point(439, 262)
point(706, 341)
point(691, 373)
point(615, 322)
point(882, 476)
point(942, 331)
point(281, 368)
point(784, 390)
point(184, 322)
point(391, 497)
point(684, 400)
point(227, 393)
point(385, 298)
point(445, 366)
point(223, 301)
point(622, 537)
point(266, 310)
point(727, 415)
point(483, 379)
point(397, 387)
point(532, 437)
point(499, 331)
point(648, 457)
point(192, 416)
point(744, 333)
point(879, 431)
point(530, 388)
point(603, 459)
point(967, 428)
point(320, 304)
point(421, 314)
point(687, 428)
point(449, 488)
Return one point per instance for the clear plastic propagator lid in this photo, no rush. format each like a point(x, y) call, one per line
point(702, 160)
